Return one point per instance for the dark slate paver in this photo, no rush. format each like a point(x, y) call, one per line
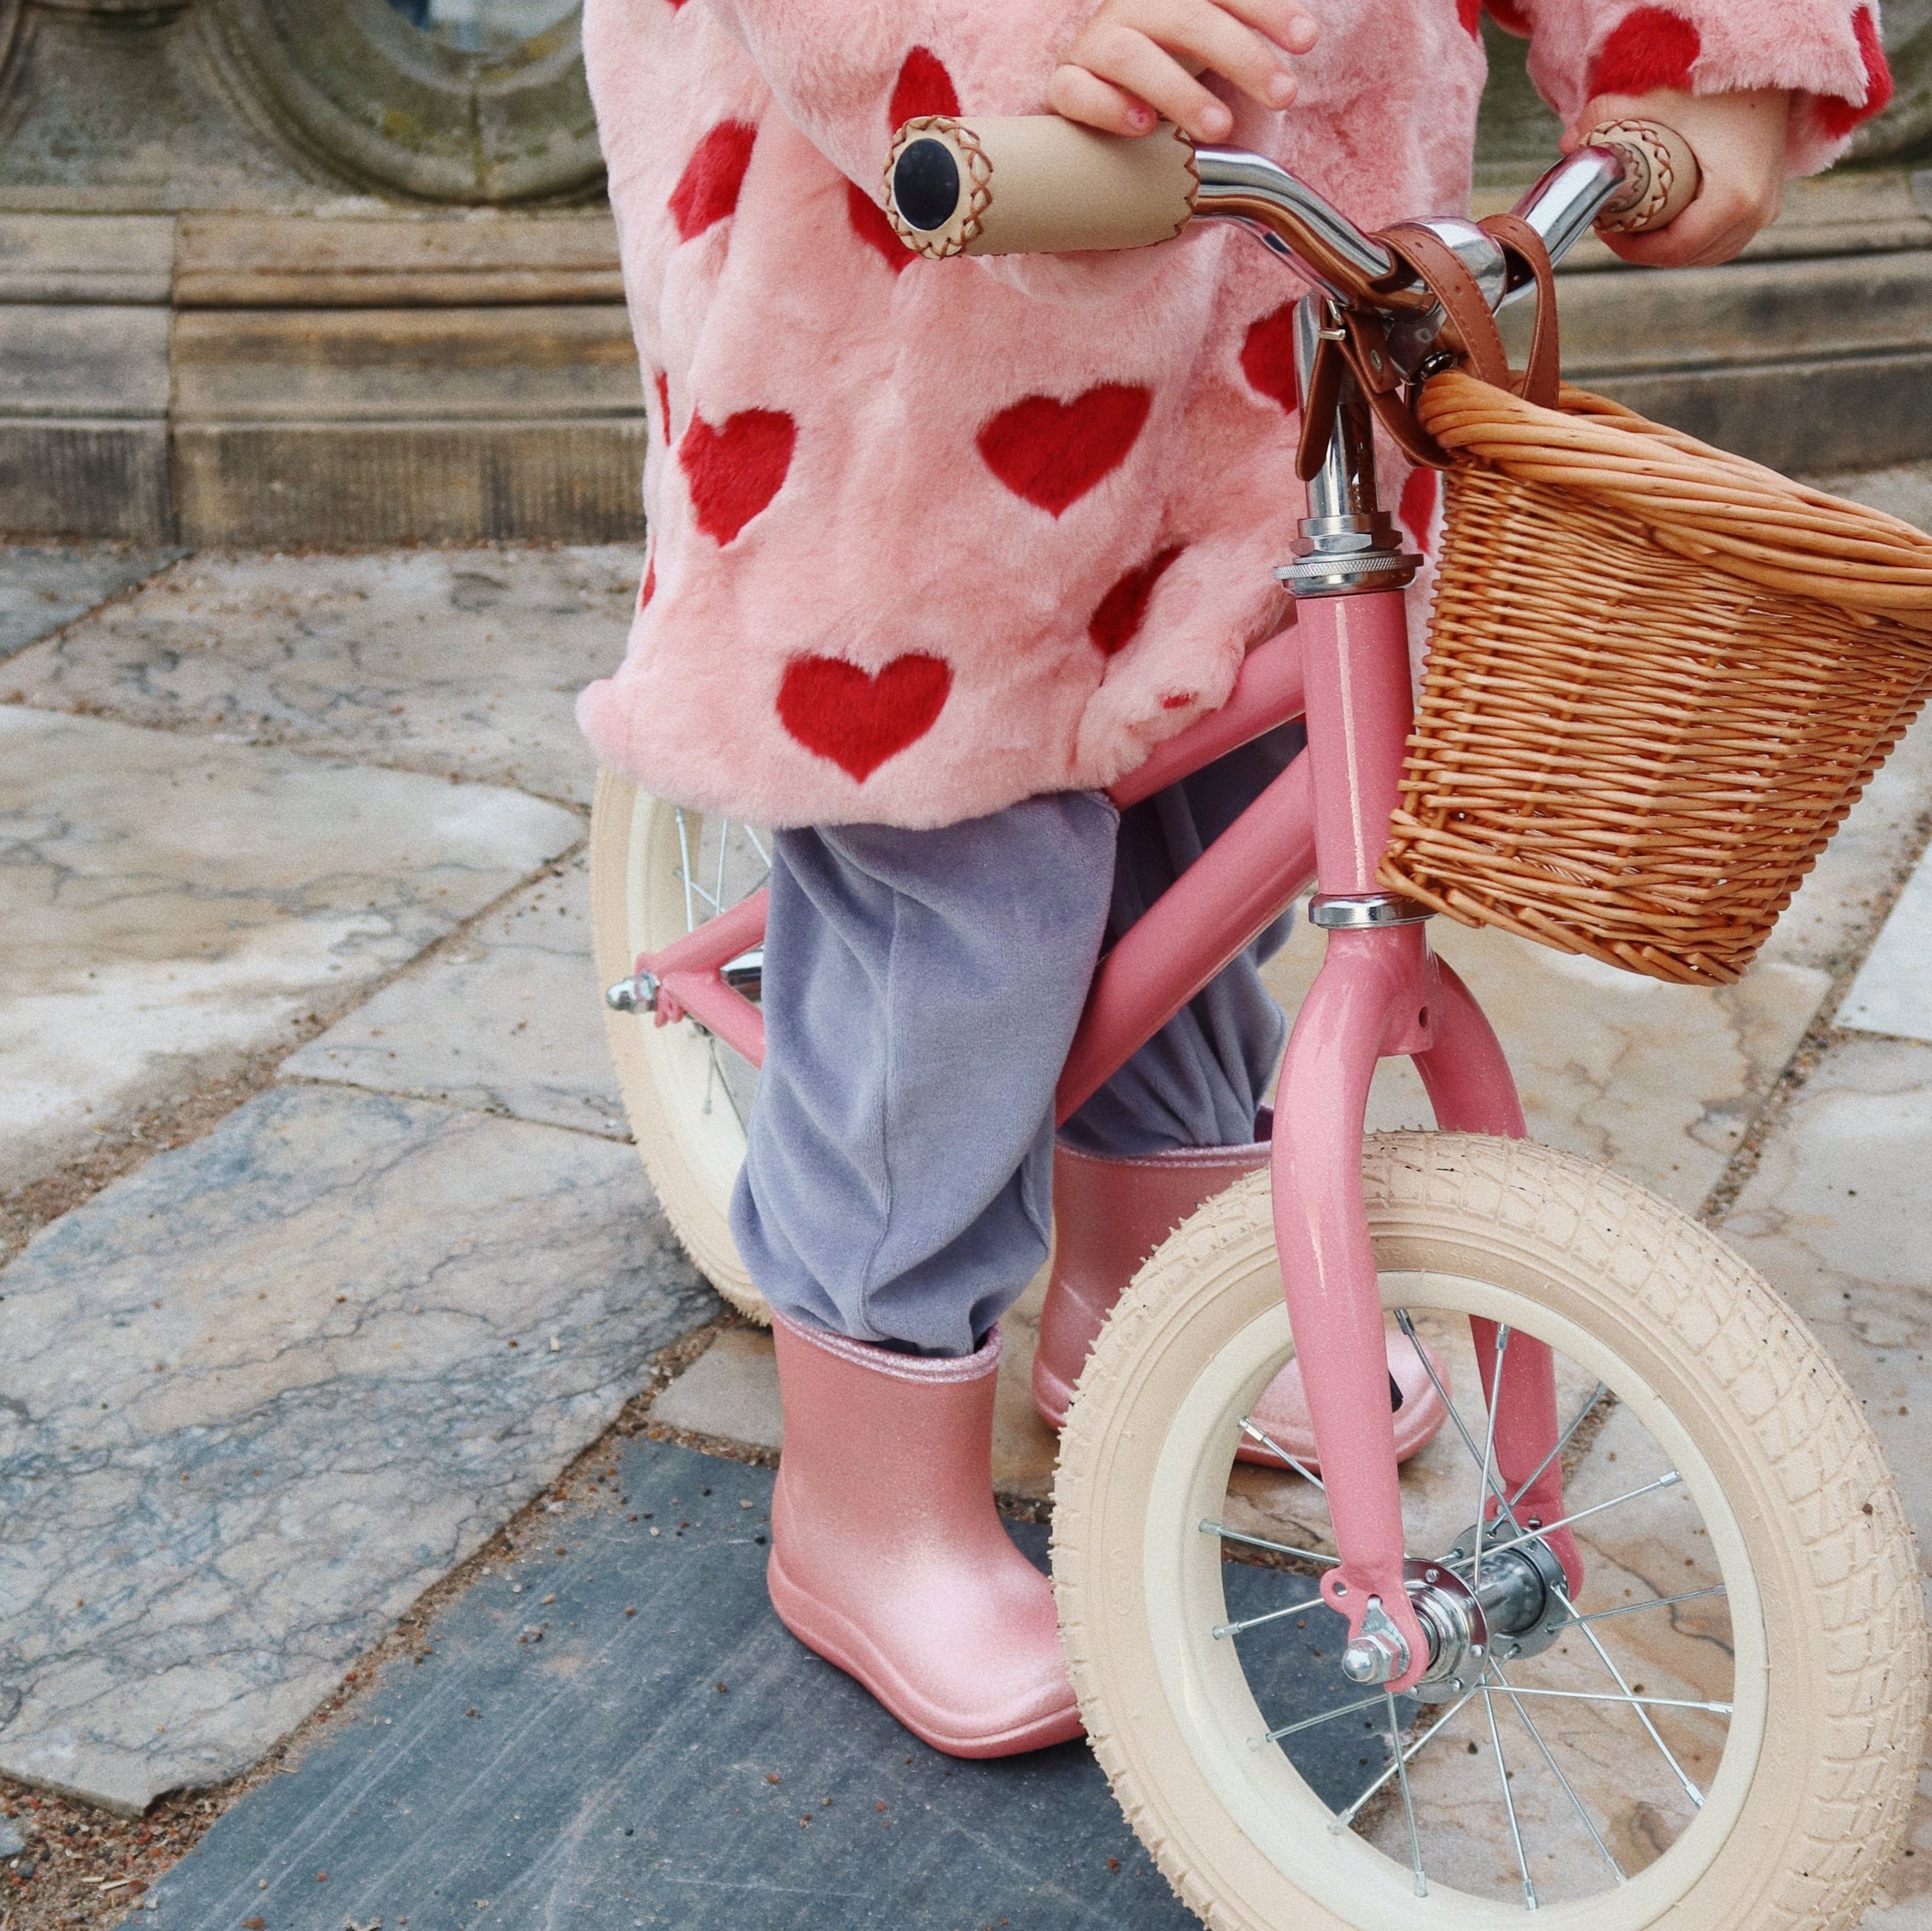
point(43, 585)
point(600, 1777)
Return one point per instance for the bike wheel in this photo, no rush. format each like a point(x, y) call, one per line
point(1732, 1744)
point(658, 871)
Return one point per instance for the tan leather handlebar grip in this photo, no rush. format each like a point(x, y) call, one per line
point(1035, 184)
point(1664, 177)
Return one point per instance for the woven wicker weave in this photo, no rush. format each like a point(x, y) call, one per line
point(1658, 677)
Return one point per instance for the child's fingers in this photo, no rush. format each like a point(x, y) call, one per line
point(1285, 22)
point(1078, 95)
point(1216, 36)
point(1134, 64)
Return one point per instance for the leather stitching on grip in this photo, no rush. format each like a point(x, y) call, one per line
point(979, 198)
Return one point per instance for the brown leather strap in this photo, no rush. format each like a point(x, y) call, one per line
point(1455, 288)
point(1543, 379)
point(1471, 331)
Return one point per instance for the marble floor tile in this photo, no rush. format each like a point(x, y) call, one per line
point(600, 1781)
point(461, 661)
point(167, 903)
point(1892, 993)
point(731, 1390)
point(1837, 1218)
point(259, 1396)
point(1832, 919)
point(508, 1019)
point(1904, 491)
point(43, 585)
point(1658, 1081)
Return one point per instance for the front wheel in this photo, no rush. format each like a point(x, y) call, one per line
point(658, 871)
point(1719, 1730)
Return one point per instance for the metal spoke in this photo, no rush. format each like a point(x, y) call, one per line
point(1590, 1636)
point(1556, 1771)
point(724, 1086)
point(1509, 1802)
point(1272, 1616)
point(1274, 1447)
point(1655, 1602)
point(1628, 1696)
point(684, 869)
point(764, 856)
point(724, 846)
point(1343, 1819)
point(1547, 1529)
point(1489, 1455)
point(1408, 1802)
point(1259, 1541)
point(1494, 1486)
point(1563, 1441)
point(1309, 1722)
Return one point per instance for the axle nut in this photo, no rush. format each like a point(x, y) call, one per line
point(1374, 1657)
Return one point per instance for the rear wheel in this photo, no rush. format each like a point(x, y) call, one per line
point(658, 871)
point(1720, 1731)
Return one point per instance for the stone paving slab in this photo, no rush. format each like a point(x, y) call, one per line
point(1903, 491)
point(1892, 993)
point(1658, 1081)
point(601, 1777)
point(505, 1020)
point(449, 661)
point(42, 586)
point(167, 903)
point(259, 1396)
point(1831, 918)
point(1837, 1217)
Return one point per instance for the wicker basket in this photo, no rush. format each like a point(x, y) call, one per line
point(1658, 677)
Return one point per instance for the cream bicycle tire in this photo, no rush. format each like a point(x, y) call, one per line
point(691, 1145)
point(1829, 1782)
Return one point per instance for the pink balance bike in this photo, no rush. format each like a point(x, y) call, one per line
point(1638, 1639)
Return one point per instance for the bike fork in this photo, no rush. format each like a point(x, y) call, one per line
point(1381, 992)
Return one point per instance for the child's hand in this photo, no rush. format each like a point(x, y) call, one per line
point(1135, 63)
point(1739, 139)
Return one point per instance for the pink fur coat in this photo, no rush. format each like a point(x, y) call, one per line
point(929, 538)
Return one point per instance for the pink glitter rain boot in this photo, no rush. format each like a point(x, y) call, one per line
point(888, 1557)
point(1108, 1216)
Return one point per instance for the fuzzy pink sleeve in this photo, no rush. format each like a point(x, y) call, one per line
point(849, 72)
point(1827, 52)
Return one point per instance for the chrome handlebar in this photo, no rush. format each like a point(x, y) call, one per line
point(1294, 221)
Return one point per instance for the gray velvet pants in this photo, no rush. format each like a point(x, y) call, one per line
point(921, 989)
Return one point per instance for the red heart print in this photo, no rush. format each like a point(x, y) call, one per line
point(1051, 452)
point(663, 386)
point(1510, 15)
point(1417, 507)
point(649, 588)
point(707, 191)
point(1647, 50)
point(733, 472)
point(1267, 357)
point(1116, 619)
point(1470, 13)
point(923, 87)
point(869, 223)
point(858, 719)
point(1837, 116)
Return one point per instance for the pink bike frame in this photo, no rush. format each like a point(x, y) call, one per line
point(1344, 667)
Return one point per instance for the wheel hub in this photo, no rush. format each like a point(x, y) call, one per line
point(1513, 1609)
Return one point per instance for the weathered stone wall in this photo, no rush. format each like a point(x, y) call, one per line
point(290, 271)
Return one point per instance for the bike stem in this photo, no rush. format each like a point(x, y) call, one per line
point(1381, 992)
